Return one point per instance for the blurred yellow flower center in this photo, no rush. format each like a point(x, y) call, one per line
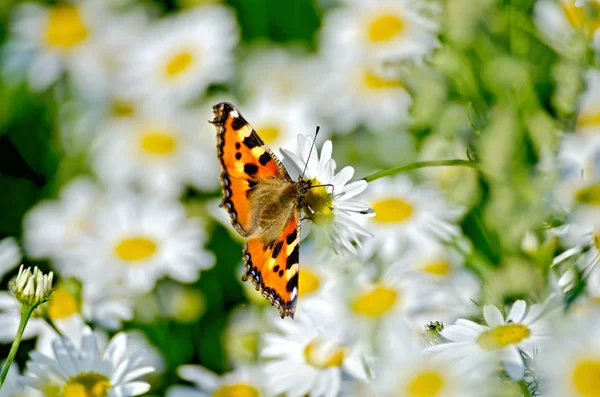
point(62, 305)
point(375, 302)
point(87, 384)
point(189, 306)
point(320, 356)
point(65, 27)
point(392, 210)
point(122, 108)
point(437, 268)
point(50, 390)
point(588, 120)
point(269, 133)
point(586, 378)
point(589, 195)
point(178, 64)
point(502, 336)
point(308, 282)
point(578, 18)
point(425, 384)
point(250, 342)
point(158, 143)
point(385, 27)
point(375, 82)
point(237, 390)
point(135, 249)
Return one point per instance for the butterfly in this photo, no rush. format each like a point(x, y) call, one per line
point(264, 204)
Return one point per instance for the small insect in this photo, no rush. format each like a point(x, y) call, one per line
point(264, 204)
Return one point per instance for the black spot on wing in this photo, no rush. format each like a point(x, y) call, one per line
point(264, 158)
point(238, 156)
point(252, 140)
point(277, 249)
point(237, 145)
point(250, 169)
point(292, 283)
point(293, 258)
point(291, 237)
point(281, 273)
point(276, 269)
point(238, 123)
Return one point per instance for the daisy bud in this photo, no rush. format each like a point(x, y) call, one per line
point(32, 288)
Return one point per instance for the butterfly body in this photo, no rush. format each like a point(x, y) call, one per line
point(264, 204)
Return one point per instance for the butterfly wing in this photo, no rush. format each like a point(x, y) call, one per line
point(273, 267)
point(246, 161)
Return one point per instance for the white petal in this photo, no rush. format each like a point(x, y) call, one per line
point(493, 316)
point(517, 311)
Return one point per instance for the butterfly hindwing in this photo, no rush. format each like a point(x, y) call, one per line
point(273, 266)
point(246, 161)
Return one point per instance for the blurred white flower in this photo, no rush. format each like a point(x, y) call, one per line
point(52, 229)
point(72, 37)
point(243, 381)
point(563, 21)
point(502, 340)
point(335, 209)
point(406, 214)
point(163, 150)
point(396, 29)
point(309, 354)
point(571, 366)
point(11, 386)
point(356, 91)
point(138, 240)
point(87, 370)
point(10, 316)
point(10, 255)
point(181, 55)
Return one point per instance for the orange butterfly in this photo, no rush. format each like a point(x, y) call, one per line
point(264, 204)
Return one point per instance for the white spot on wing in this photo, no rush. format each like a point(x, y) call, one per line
point(234, 113)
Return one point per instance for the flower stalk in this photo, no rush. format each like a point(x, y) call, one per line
point(423, 164)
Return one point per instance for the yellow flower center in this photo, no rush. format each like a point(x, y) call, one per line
point(159, 143)
point(269, 133)
point(308, 282)
point(588, 120)
point(392, 210)
point(321, 204)
point(438, 268)
point(581, 17)
point(502, 336)
point(375, 302)
point(425, 384)
point(65, 27)
point(375, 82)
point(586, 378)
point(51, 390)
point(385, 27)
point(237, 390)
point(135, 249)
point(62, 304)
point(321, 356)
point(178, 64)
point(87, 384)
point(589, 195)
point(122, 108)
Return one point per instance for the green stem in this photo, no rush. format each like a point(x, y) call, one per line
point(25, 314)
point(423, 164)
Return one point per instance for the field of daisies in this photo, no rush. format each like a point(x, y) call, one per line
point(456, 253)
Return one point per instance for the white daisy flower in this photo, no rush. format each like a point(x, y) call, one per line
point(396, 29)
point(243, 381)
point(181, 55)
point(406, 214)
point(10, 255)
point(356, 91)
point(52, 229)
point(334, 206)
point(160, 150)
point(571, 366)
point(565, 24)
point(310, 354)
point(501, 340)
point(405, 370)
point(79, 371)
point(138, 240)
point(67, 37)
point(588, 119)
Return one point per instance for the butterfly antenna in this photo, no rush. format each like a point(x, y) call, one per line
point(310, 152)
